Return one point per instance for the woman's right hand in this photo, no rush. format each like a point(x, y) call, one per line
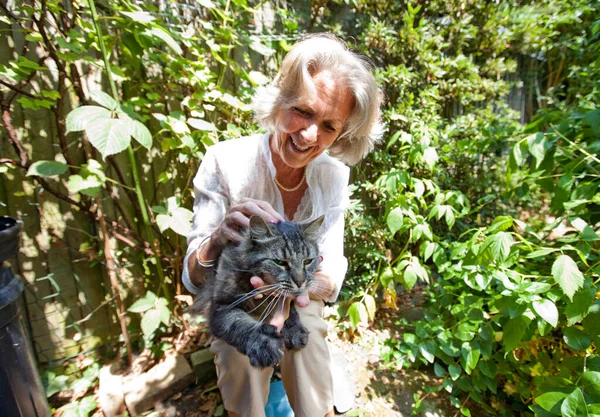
point(239, 216)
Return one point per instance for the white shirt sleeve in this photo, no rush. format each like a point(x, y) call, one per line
point(331, 243)
point(210, 206)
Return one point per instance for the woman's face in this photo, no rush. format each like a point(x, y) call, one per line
point(311, 126)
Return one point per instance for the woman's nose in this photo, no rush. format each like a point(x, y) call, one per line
point(310, 133)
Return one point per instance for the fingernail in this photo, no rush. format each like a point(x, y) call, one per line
point(258, 297)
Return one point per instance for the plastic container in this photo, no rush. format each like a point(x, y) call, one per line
point(21, 392)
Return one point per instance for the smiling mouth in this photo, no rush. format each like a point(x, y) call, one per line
point(298, 147)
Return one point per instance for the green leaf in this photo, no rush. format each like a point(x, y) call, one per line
point(541, 252)
point(579, 308)
point(81, 408)
point(140, 17)
point(54, 384)
point(439, 370)
point(104, 99)
point(590, 381)
point(395, 220)
point(150, 322)
point(357, 313)
point(162, 34)
point(141, 305)
point(574, 405)
point(501, 223)
point(201, 125)
point(514, 330)
point(140, 133)
point(577, 339)
point(499, 245)
point(537, 147)
point(109, 136)
point(593, 118)
point(79, 118)
point(551, 401)
point(428, 351)
point(454, 370)
point(567, 275)
point(181, 221)
point(47, 168)
point(471, 356)
point(546, 310)
point(89, 185)
point(371, 306)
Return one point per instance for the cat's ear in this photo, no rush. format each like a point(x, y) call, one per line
point(311, 230)
point(258, 228)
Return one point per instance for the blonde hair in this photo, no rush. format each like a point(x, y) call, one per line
point(363, 128)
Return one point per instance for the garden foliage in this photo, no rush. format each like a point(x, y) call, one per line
point(497, 221)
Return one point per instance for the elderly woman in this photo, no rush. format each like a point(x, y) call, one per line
point(322, 109)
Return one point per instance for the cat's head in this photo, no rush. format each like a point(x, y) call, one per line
point(284, 253)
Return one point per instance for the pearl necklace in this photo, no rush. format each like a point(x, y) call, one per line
point(289, 190)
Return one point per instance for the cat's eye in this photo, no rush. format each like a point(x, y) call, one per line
point(280, 262)
point(308, 262)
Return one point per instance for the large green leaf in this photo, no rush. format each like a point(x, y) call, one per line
point(371, 306)
point(551, 401)
point(47, 168)
point(104, 99)
point(162, 34)
point(567, 275)
point(498, 245)
point(577, 339)
point(574, 405)
point(579, 308)
point(140, 133)
point(537, 147)
point(428, 351)
point(395, 220)
point(514, 330)
point(79, 118)
point(109, 136)
point(150, 322)
point(591, 385)
point(454, 370)
point(357, 313)
point(546, 310)
point(141, 305)
point(89, 185)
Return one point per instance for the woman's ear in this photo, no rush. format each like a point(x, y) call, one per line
point(311, 230)
point(258, 228)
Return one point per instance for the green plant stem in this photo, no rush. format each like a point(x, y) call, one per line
point(132, 161)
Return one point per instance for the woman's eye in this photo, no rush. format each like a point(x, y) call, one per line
point(330, 128)
point(301, 111)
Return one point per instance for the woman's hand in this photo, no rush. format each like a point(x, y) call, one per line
point(239, 216)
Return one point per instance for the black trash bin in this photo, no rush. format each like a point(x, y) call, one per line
point(21, 392)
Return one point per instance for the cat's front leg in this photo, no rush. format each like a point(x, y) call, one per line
point(295, 335)
point(259, 341)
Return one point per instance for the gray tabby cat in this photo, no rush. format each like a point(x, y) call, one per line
point(285, 256)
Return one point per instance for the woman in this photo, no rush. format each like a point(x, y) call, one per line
point(324, 98)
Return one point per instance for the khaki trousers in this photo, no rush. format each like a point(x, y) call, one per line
point(306, 373)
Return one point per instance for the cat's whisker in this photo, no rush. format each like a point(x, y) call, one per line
point(271, 307)
point(264, 301)
point(252, 294)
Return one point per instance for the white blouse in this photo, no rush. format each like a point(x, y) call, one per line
point(243, 168)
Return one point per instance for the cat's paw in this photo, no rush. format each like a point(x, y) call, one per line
point(295, 335)
point(265, 348)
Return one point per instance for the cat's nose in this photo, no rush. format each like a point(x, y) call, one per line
point(298, 279)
